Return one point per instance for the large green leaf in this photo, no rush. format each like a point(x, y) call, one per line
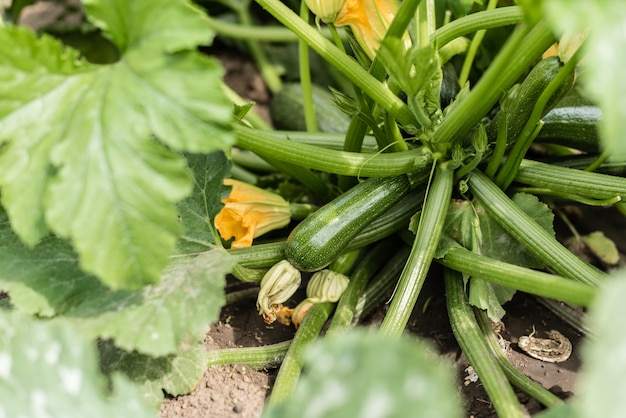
point(176, 374)
point(604, 58)
point(360, 374)
point(92, 152)
point(155, 320)
point(49, 370)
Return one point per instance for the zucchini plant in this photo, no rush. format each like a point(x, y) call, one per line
point(112, 174)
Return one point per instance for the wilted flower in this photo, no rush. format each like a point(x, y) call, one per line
point(279, 283)
point(249, 212)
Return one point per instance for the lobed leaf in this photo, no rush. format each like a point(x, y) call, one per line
point(91, 152)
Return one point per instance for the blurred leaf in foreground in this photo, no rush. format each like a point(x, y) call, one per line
point(359, 374)
point(49, 370)
point(603, 60)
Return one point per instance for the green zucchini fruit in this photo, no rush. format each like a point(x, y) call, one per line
point(320, 238)
point(572, 123)
point(287, 110)
point(521, 102)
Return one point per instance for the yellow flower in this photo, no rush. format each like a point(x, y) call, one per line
point(325, 9)
point(279, 283)
point(249, 212)
point(369, 20)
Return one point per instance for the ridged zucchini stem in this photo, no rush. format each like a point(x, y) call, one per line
point(264, 357)
point(291, 366)
point(571, 181)
point(475, 347)
point(517, 378)
point(332, 161)
point(259, 256)
point(488, 19)
point(424, 246)
point(342, 62)
point(525, 230)
point(521, 49)
point(519, 278)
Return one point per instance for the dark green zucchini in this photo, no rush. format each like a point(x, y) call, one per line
point(572, 123)
point(321, 237)
point(287, 110)
point(518, 108)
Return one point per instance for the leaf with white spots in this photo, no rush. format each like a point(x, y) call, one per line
point(361, 374)
point(50, 370)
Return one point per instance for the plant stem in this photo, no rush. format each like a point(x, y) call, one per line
point(424, 246)
point(488, 19)
point(536, 239)
point(346, 65)
point(344, 313)
point(332, 161)
point(520, 278)
point(517, 378)
point(265, 33)
point(264, 357)
point(473, 344)
point(518, 53)
point(291, 366)
point(310, 118)
point(473, 48)
point(571, 181)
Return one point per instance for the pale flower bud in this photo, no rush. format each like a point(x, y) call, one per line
point(326, 10)
point(279, 283)
point(326, 286)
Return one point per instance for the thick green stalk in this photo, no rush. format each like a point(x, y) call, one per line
point(342, 62)
point(475, 347)
point(332, 161)
point(517, 378)
point(571, 181)
point(373, 260)
point(424, 246)
point(381, 286)
point(536, 239)
point(310, 119)
point(291, 366)
point(520, 278)
point(473, 48)
point(522, 48)
point(488, 19)
point(258, 358)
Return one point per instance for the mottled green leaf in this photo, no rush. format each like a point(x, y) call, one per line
point(155, 320)
point(91, 152)
point(50, 370)
point(176, 374)
point(361, 374)
point(198, 211)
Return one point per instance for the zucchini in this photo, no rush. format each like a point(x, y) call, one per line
point(521, 102)
point(572, 123)
point(320, 238)
point(287, 110)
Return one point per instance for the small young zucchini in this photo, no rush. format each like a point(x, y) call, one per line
point(572, 123)
point(321, 237)
point(525, 96)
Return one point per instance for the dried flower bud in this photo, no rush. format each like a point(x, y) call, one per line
point(279, 284)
